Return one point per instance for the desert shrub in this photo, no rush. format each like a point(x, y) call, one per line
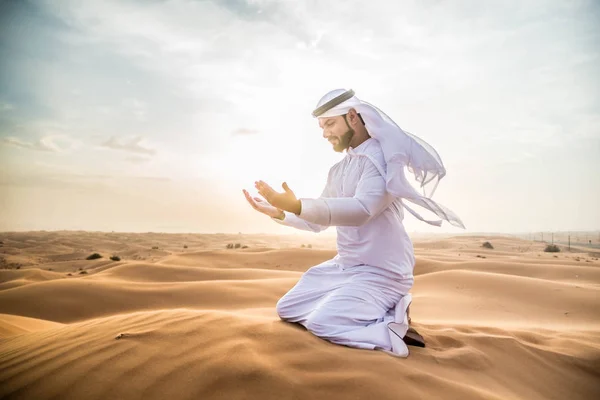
point(244, 247)
point(115, 258)
point(238, 245)
point(552, 248)
point(83, 273)
point(303, 246)
point(185, 246)
point(154, 247)
point(487, 245)
point(309, 246)
point(93, 256)
point(230, 245)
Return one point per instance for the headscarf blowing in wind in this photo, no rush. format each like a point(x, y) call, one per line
point(401, 149)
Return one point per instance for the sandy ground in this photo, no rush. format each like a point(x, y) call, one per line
point(199, 322)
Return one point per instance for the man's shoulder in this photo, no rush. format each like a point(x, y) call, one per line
point(373, 147)
point(374, 151)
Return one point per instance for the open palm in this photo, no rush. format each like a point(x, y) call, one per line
point(284, 201)
point(262, 206)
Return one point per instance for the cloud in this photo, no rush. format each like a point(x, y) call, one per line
point(43, 144)
point(244, 131)
point(133, 146)
point(4, 107)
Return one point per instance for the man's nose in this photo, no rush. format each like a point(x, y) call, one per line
point(325, 133)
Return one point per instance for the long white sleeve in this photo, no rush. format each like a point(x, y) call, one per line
point(292, 220)
point(370, 199)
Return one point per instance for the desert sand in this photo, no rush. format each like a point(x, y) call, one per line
point(199, 322)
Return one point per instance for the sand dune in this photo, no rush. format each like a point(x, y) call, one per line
point(199, 321)
point(13, 325)
point(288, 259)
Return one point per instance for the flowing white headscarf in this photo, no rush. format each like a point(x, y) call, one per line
point(401, 149)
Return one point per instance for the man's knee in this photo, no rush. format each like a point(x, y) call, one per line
point(320, 323)
point(283, 308)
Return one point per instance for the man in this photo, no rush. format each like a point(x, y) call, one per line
point(360, 298)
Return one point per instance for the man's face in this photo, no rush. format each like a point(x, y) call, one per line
point(337, 132)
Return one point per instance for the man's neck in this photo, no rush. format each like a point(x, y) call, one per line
point(357, 140)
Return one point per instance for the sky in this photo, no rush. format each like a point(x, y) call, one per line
point(154, 115)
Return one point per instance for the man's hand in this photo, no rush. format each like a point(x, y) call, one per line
point(285, 201)
point(262, 206)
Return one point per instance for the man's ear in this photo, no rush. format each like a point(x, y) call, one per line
point(353, 116)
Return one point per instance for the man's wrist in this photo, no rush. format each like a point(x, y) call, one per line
point(297, 207)
point(280, 217)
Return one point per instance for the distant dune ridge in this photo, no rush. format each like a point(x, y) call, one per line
point(199, 322)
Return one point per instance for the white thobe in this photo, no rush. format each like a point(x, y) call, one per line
point(351, 298)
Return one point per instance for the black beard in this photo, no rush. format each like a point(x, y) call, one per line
point(344, 141)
